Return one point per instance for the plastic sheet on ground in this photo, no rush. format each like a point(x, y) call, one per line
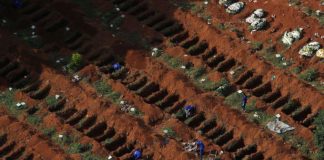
point(279, 126)
point(289, 37)
point(235, 7)
point(256, 20)
point(310, 49)
point(190, 146)
point(320, 53)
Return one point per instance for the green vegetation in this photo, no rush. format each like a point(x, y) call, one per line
point(79, 148)
point(35, 120)
point(104, 89)
point(51, 100)
point(49, 132)
point(298, 143)
point(276, 59)
point(169, 132)
point(8, 99)
point(235, 100)
point(75, 62)
point(197, 75)
point(256, 46)
point(220, 26)
point(69, 143)
point(294, 2)
point(309, 75)
point(136, 112)
point(296, 70)
point(319, 134)
point(223, 87)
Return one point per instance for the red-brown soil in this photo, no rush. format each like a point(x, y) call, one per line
point(220, 125)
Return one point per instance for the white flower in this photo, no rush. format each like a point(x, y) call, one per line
point(33, 33)
point(57, 96)
point(186, 55)
point(278, 55)
point(239, 91)
point(132, 109)
point(256, 115)
point(58, 61)
point(165, 131)
point(203, 80)
point(122, 102)
point(284, 63)
point(110, 157)
point(111, 25)
point(117, 9)
point(123, 16)
point(33, 27)
point(231, 72)
point(278, 115)
point(206, 2)
point(67, 28)
point(183, 67)
point(23, 103)
point(4, 21)
point(10, 89)
point(25, 77)
point(60, 135)
point(18, 104)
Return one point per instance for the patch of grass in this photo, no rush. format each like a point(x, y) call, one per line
point(260, 117)
point(173, 62)
point(65, 140)
point(107, 91)
point(79, 148)
point(51, 100)
point(49, 132)
point(34, 120)
point(309, 75)
point(223, 87)
point(169, 132)
point(256, 46)
point(136, 112)
point(308, 11)
point(279, 62)
point(75, 62)
point(294, 2)
point(184, 5)
point(296, 70)
point(319, 135)
point(196, 73)
point(298, 143)
point(8, 99)
point(235, 100)
point(220, 26)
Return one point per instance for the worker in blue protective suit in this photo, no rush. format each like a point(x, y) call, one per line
point(189, 110)
point(244, 102)
point(137, 155)
point(17, 3)
point(116, 66)
point(201, 147)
